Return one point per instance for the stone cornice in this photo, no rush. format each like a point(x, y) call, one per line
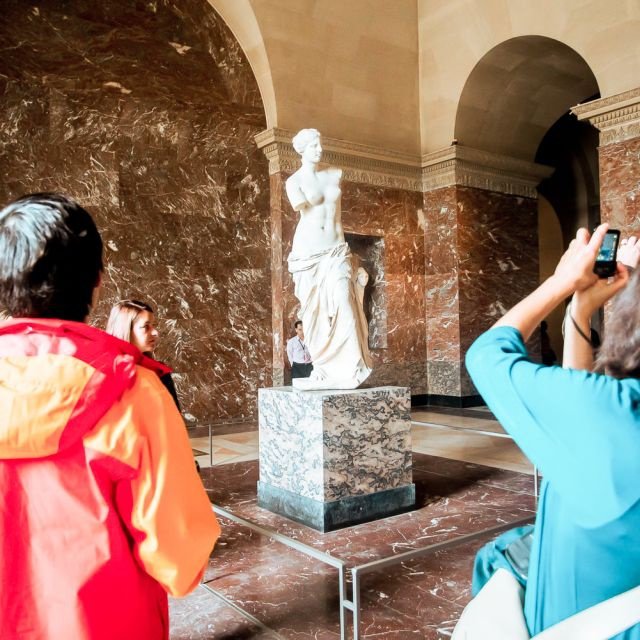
point(616, 117)
point(359, 163)
point(368, 165)
point(468, 167)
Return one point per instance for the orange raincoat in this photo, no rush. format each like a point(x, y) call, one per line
point(102, 512)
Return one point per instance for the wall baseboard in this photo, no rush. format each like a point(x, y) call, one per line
point(434, 400)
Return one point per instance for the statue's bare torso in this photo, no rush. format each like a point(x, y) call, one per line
point(316, 195)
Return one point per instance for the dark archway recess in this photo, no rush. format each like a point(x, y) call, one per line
point(145, 112)
point(517, 91)
point(512, 98)
point(573, 189)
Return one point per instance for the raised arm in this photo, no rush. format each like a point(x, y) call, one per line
point(578, 350)
point(574, 273)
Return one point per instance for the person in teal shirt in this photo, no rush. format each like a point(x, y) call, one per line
point(582, 430)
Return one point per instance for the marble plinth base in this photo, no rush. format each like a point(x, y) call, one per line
point(333, 458)
point(327, 516)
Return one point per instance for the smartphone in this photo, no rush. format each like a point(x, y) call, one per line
point(605, 265)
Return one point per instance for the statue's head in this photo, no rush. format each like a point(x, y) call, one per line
point(303, 138)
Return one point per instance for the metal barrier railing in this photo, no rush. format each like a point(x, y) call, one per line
point(302, 548)
point(481, 432)
point(382, 563)
point(353, 604)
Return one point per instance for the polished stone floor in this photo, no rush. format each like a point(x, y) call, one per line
point(255, 587)
point(239, 443)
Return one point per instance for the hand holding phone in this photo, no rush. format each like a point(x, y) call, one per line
point(605, 266)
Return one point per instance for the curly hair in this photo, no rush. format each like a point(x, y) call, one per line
point(619, 355)
point(303, 138)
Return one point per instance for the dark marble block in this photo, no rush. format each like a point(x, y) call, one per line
point(328, 516)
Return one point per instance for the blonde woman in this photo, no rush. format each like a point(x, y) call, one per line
point(134, 321)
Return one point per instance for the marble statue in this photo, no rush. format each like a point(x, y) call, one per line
point(329, 292)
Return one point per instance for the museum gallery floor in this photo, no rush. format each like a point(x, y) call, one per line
point(264, 589)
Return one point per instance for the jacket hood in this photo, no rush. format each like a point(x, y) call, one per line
point(57, 380)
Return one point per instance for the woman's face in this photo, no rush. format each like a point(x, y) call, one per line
point(313, 151)
point(144, 334)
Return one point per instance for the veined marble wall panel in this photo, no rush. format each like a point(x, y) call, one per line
point(481, 259)
point(396, 217)
point(146, 114)
point(498, 248)
point(368, 253)
point(443, 337)
point(441, 242)
point(279, 331)
point(441, 291)
point(620, 185)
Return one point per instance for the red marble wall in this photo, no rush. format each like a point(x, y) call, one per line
point(620, 189)
point(145, 113)
point(442, 291)
point(481, 258)
point(620, 185)
point(395, 216)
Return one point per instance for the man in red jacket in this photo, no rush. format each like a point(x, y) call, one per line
point(102, 512)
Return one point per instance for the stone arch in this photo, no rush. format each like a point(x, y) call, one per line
point(240, 17)
point(515, 103)
point(517, 91)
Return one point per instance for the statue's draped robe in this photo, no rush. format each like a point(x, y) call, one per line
point(334, 323)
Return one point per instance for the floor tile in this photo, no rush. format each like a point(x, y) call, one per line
point(202, 616)
point(474, 483)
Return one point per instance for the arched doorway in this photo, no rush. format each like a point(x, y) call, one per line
point(515, 104)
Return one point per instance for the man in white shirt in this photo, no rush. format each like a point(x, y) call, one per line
point(298, 354)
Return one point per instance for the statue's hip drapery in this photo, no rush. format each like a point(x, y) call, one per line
point(334, 323)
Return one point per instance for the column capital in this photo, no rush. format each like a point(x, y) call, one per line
point(469, 167)
point(455, 165)
point(359, 163)
point(617, 117)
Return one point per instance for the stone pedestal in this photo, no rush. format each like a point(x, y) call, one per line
point(329, 459)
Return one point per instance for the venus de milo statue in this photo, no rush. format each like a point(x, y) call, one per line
point(320, 262)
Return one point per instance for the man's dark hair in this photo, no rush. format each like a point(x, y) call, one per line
point(50, 258)
point(297, 324)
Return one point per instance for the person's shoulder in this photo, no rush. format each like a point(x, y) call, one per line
point(502, 337)
point(139, 409)
point(332, 173)
point(147, 401)
point(146, 390)
point(158, 367)
point(147, 380)
point(293, 181)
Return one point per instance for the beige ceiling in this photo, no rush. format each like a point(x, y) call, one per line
point(455, 35)
point(412, 75)
point(346, 67)
point(517, 91)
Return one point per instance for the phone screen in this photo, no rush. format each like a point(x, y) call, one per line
point(608, 248)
